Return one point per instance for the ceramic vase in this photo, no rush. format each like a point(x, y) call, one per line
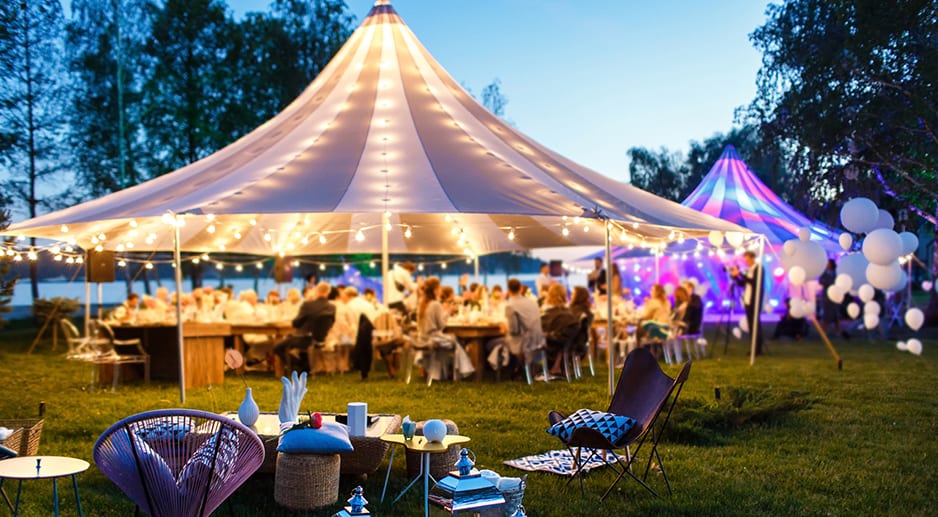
point(248, 411)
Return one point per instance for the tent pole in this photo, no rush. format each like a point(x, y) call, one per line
point(100, 301)
point(177, 261)
point(610, 338)
point(757, 310)
point(475, 260)
point(385, 277)
point(88, 305)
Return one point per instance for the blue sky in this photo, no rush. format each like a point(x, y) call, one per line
point(591, 78)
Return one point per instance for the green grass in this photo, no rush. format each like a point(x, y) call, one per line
point(792, 435)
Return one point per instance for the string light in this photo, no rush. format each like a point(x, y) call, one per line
point(148, 265)
point(511, 234)
point(407, 233)
point(359, 235)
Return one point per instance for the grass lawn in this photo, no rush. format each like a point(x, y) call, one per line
point(792, 435)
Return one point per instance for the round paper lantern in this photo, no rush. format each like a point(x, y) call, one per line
point(870, 321)
point(866, 292)
point(854, 265)
point(882, 246)
point(914, 346)
point(888, 278)
point(844, 282)
point(859, 215)
point(914, 318)
point(846, 240)
point(853, 310)
point(927, 285)
point(744, 324)
point(909, 242)
point(835, 294)
point(885, 220)
point(735, 239)
point(434, 430)
point(796, 275)
point(737, 333)
point(872, 307)
point(716, 238)
point(804, 234)
point(902, 346)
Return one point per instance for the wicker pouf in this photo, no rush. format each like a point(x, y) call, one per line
point(440, 464)
point(306, 481)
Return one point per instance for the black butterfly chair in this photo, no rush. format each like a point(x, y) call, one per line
point(642, 393)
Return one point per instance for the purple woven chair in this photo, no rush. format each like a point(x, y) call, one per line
point(178, 462)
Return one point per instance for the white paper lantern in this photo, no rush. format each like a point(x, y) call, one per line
point(872, 307)
point(853, 310)
point(859, 215)
point(866, 292)
point(854, 265)
point(882, 246)
point(716, 238)
point(909, 242)
point(846, 240)
point(870, 321)
point(888, 278)
point(804, 234)
point(735, 239)
point(914, 318)
point(927, 285)
point(844, 282)
point(835, 294)
point(796, 275)
point(901, 345)
point(914, 346)
point(885, 220)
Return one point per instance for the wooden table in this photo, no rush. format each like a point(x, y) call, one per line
point(425, 448)
point(475, 336)
point(43, 467)
point(203, 344)
point(274, 329)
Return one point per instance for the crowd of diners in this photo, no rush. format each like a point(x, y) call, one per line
point(549, 315)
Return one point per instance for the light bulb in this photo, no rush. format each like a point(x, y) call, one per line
point(408, 233)
point(260, 265)
point(511, 234)
point(211, 228)
point(322, 239)
point(322, 267)
point(64, 228)
point(359, 236)
point(565, 231)
point(253, 222)
point(219, 266)
point(443, 265)
point(267, 237)
point(239, 268)
point(148, 265)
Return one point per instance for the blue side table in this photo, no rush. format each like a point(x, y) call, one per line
point(43, 467)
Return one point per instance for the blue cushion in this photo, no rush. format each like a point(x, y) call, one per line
point(331, 438)
point(611, 426)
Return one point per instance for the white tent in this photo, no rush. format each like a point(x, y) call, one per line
point(384, 151)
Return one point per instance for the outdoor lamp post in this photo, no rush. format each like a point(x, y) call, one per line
point(465, 489)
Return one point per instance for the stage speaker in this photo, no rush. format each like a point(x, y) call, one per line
point(556, 268)
point(283, 270)
point(99, 266)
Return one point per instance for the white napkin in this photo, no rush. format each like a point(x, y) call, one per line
point(5, 433)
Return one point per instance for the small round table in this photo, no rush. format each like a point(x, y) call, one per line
point(43, 467)
point(425, 448)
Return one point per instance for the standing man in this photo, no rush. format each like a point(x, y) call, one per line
point(597, 277)
point(543, 282)
point(402, 285)
point(751, 298)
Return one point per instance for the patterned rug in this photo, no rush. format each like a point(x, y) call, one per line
point(560, 462)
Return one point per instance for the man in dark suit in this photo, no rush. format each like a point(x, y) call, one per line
point(752, 294)
point(312, 323)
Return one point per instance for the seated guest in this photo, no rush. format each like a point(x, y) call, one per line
point(497, 303)
point(655, 317)
point(291, 306)
point(693, 312)
point(431, 323)
point(581, 308)
point(312, 324)
point(559, 325)
point(448, 300)
point(371, 296)
point(273, 305)
point(523, 325)
point(127, 311)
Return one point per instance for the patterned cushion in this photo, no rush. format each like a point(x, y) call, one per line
point(613, 427)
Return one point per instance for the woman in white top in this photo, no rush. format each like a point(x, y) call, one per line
point(656, 314)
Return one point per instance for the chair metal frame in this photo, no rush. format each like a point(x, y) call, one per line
point(108, 352)
point(643, 390)
point(175, 449)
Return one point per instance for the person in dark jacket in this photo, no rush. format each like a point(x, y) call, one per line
point(559, 324)
point(312, 324)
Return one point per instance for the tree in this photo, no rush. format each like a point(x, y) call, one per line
point(7, 283)
point(186, 92)
point(105, 42)
point(318, 28)
point(847, 90)
point(493, 99)
point(32, 119)
point(662, 173)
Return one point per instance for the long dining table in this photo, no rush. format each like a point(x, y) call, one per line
point(474, 336)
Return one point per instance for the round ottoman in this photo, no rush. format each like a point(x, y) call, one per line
point(440, 464)
point(306, 481)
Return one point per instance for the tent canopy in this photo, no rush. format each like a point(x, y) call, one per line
point(382, 130)
point(731, 191)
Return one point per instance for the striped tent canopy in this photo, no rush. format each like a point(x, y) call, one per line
point(731, 191)
point(382, 132)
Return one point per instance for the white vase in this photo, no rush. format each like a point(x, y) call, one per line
point(248, 411)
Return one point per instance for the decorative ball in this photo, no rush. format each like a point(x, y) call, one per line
point(434, 430)
point(796, 275)
point(844, 282)
point(914, 346)
point(735, 239)
point(835, 294)
point(885, 220)
point(737, 333)
point(853, 310)
point(804, 234)
point(909, 242)
point(927, 285)
point(901, 345)
point(914, 318)
point(889, 277)
point(744, 324)
point(870, 321)
point(716, 238)
point(854, 266)
point(846, 241)
point(872, 307)
point(859, 215)
point(866, 292)
point(882, 246)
